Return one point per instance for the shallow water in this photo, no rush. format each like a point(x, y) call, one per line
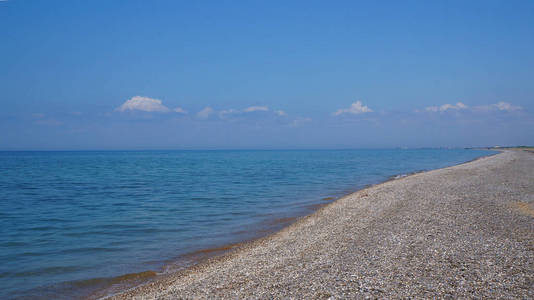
point(71, 221)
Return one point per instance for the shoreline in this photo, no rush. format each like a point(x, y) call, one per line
point(206, 256)
point(296, 261)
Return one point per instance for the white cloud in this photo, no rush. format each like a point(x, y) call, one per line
point(355, 108)
point(205, 113)
point(250, 109)
point(501, 106)
point(225, 112)
point(143, 104)
point(180, 110)
point(256, 108)
point(445, 107)
point(281, 113)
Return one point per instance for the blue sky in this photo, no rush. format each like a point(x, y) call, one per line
point(265, 74)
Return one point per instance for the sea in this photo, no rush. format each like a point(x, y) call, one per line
point(85, 223)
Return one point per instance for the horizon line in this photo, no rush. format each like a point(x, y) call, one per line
point(260, 149)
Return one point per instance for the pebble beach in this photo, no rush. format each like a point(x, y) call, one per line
point(465, 231)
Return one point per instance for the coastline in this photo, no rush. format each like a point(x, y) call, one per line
point(388, 240)
point(204, 258)
point(141, 229)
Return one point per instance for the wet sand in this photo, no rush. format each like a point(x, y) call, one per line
point(464, 231)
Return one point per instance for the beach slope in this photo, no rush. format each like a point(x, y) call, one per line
point(464, 231)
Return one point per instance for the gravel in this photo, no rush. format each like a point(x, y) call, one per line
point(461, 232)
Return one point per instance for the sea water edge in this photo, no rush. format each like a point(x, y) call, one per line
point(76, 222)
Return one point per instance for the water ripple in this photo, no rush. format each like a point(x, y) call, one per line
point(73, 220)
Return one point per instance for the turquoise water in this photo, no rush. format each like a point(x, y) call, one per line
point(71, 220)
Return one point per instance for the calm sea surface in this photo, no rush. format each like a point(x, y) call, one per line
point(70, 222)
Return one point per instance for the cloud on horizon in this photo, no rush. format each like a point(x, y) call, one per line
point(250, 109)
point(205, 113)
point(143, 104)
point(500, 106)
point(447, 106)
point(281, 113)
point(147, 104)
point(180, 110)
point(256, 108)
point(355, 109)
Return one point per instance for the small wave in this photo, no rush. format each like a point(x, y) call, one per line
point(133, 276)
point(88, 233)
point(32, 254)
point(13, 244)
point(44, 271)
point(57, 220)
point(91, 250)
point(43, 228)
point(92, 288)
